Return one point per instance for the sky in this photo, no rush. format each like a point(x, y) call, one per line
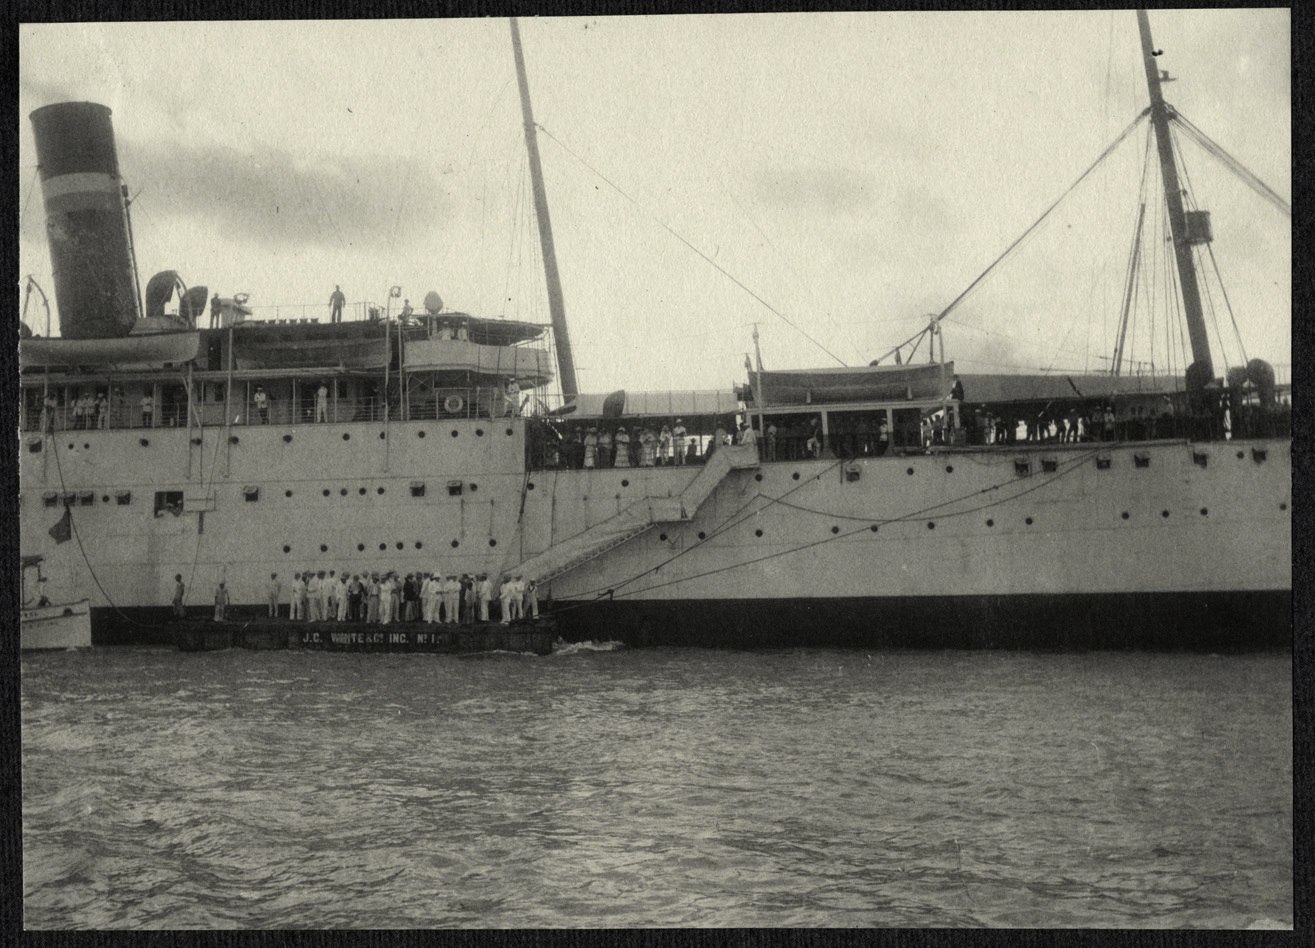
point(851, 174)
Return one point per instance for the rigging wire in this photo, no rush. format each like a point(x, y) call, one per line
point(1018, 242)
point(1216, 150)
point(22, 216)
point(716, 266)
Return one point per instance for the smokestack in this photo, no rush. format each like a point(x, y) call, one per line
point(86, 220)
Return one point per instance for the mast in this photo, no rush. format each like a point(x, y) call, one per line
point(565, 361)
point(1173, 197)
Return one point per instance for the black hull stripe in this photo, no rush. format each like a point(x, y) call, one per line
point(1206, 621)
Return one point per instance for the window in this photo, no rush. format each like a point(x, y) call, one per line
point(123, 497)
point(168, 501)
point(417, 488)
point(251, 493)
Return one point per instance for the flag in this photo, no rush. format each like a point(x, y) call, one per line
point(63, 529)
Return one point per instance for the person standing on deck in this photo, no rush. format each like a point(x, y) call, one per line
point(771, 441)
point(504, 595)
point(221, 601)
point(354, 589)
point(179, 591)
point(484, 593)
point(749, 436)
point(468, 599)
point(678, 434)
point(532, 599)
point(147, 405)
point(329, 597)
point(396, 607)
point(386, 590)
point(314, 613)
point(452, 598)
point(297, 605)
point(261, 401)
point(410, 596)
point(604, 448)
point(591, 449)
point(322, 403)
point(622, 442)
point(79, 411)
point(275, 587)
point(336, 301)
point(427, 598)
point(102, 408)
point(375, 592)
point(664, 446)
point(48, 408)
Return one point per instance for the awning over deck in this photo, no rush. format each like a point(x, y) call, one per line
point(1006, 389)
point(871, 383)
point(651, 405)
point(124, 353)
point(336, 345)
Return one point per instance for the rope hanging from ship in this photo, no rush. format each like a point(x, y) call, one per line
point(612, 591)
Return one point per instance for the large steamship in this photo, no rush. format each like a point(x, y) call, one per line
point(888, 504)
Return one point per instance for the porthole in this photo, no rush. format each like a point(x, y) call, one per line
point(286, 548)
point(383, 546)
point(144, 442)
point(492, 542)
point(198, 440)
point(949, 469)
point(662, 537)
point(400, 544)
point(287, 439)
point(455, 432)
point(1283, 506)
point(287, 493)
point(105, 498)
point(1241, 455)
point(873, 528)
point(990, 523)
point(233, 439)
point(473, 488)
point(757, 533)
point(380, 490)
point(625, 483)
point(530, 486)
point(360, 548)
point(342, 492)
point(1125, 515)
point(702, 535)
point(383, 435)
point(1164, 514)
point(324, 548)
point(419, 545)
point(326, 492)
point(835, 530)
point(1028, 521)
point(510, 432)
point(479, 432)
point(1204, 512)
point(71, 447)
point(86, 447)
point(795, 476)
point(931, 524)
point(420, 434)
point(909, 471)
point(455, 544)
point(758, 477)
point(361, 491)
point(346, 436)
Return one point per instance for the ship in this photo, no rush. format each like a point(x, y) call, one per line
point(895, 504)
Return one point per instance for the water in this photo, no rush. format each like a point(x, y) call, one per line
point(663, 787)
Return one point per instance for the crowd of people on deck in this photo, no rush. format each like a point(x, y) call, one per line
point(388, 597)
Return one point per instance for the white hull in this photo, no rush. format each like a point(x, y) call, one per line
point(57, 626)
point(1201, 518)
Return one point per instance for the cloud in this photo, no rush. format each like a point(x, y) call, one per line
point(274, 197)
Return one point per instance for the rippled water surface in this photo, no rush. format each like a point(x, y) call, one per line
point(664, 787)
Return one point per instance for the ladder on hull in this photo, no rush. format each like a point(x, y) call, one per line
point(639, 517)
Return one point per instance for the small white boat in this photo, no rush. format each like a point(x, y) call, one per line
point(51, 625)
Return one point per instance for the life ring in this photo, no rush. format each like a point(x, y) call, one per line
point(454, 404)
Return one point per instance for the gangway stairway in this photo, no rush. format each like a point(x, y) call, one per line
point(640, 516)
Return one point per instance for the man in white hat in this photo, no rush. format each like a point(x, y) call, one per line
point(678, 440)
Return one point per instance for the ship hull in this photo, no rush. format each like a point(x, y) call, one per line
point(1151, 544)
